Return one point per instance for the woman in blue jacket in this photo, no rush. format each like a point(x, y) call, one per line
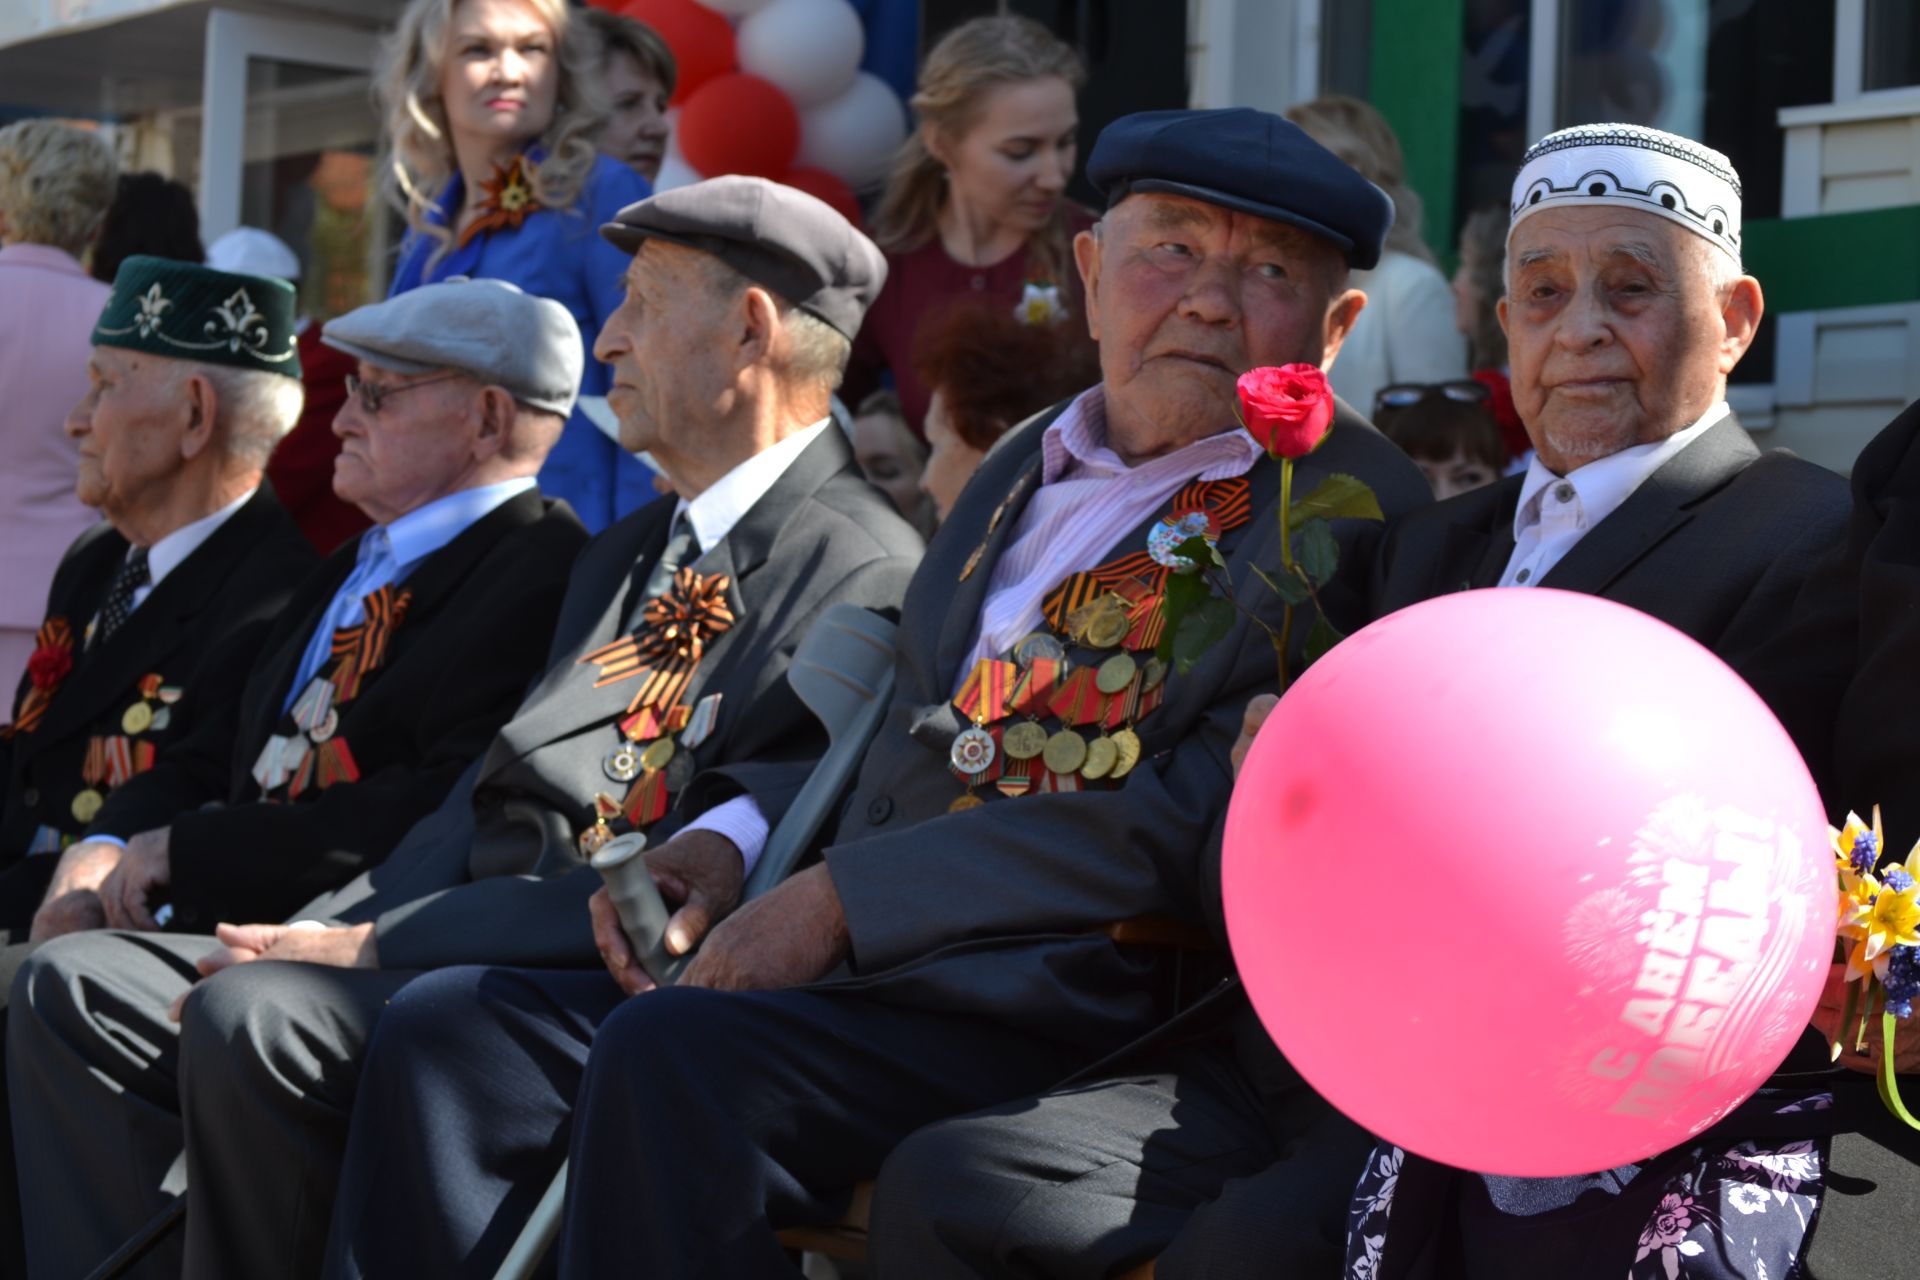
point(493, 111)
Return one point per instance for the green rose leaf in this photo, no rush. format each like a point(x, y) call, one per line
point(1200, 630)
point(1286, 584)
point(1339, 496)
point(1183, 593)
point(1319, 553)
point(1320, 638)
point(1202, 552)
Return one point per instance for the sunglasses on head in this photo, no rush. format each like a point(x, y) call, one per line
point(1402, 394)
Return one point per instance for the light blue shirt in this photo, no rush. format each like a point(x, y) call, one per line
point(388, 553)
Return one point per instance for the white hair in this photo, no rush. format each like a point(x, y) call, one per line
point(258, 408)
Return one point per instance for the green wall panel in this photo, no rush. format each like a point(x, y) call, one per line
point(1415, 82)
point(1836, 259)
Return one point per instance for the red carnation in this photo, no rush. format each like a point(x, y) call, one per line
point(48, 666)
point(1287, 409)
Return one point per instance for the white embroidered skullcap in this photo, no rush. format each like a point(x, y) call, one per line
point(1634, 167)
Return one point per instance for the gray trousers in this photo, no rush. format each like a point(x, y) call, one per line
point(263, 1066)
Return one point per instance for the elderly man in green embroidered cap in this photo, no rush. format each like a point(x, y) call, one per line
point(195, 556)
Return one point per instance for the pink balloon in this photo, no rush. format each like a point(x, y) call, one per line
point(1528, 882)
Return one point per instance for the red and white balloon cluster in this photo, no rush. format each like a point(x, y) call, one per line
point(774, 88)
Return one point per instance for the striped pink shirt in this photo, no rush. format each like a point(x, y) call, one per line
point(1087, 501)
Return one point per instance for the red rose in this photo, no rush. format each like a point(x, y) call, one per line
point(1287, 409)
point(48, 667)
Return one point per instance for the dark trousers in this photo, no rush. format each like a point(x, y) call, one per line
point(707, 1121)
point(1178, 1162)
point(22, 886)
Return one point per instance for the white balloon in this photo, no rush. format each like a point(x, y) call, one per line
point(810, 48)
point(855, 135)
point(675, 172)
point(734, 8)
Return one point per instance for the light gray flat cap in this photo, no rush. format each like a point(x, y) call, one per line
point(487, 329)
point(782, 239)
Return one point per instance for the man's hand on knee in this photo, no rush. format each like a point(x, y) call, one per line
point(72, 901)
point(305, 941)
point(131, 891)
point(795, 934)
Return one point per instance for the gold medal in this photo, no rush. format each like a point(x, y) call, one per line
point(1127, 743)
point(1108, 627)
point(657, 754)
point(1066, 752)
point(1102, 755)
point(137, 720)
point(1040, 644)
point(965, 802)
point(1116, 673)
point(1025, 740)
point(86, 805)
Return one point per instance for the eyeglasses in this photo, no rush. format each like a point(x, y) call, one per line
point(372, 395)
point(1402, 394)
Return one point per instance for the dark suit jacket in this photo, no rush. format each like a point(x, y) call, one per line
point(485, 878)
point(225, 595)
point(1714, 543)
point(482, 611)
point(997, 910)
point(1848, 658)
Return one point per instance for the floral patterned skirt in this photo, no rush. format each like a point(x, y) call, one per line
point(1738, 1203)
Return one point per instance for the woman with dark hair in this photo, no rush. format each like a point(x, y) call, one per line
point(986, 371)
point(1448, 431)
point(640, 72)
point(974, 208)
point(149, 214)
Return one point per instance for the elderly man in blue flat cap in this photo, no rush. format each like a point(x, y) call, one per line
point(952, 949)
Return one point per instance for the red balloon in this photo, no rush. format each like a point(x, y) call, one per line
point(739, 124)
point(825, 186)
point(701, 40)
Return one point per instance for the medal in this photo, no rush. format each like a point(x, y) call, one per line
point(679, 770)
point(972, 752)
point(1076, 701)
point(965, 802)
point(328, 726)
point(1108, 627)
point(1036, 685)
point(1127, 744)
point(622, 764)
point(597, 835)
point(1102, 755)
point(86, 805)
point(1116, 673)
point(162, 718)
point(1014, 784)
point(1152, 672)
point(700, 724)
point(138, 719)
point(169, 694)
point(1066, 751)
point(647, 802)
point(1040, 644)
point(642, 726)
point(1025, 740)
point(656, 754)
point(150, 685)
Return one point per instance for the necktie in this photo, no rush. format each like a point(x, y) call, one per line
point(680, 548)
point(132, 574)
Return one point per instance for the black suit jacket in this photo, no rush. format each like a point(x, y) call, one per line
point(223, 596)
point(999, 910)
point(482, 611)
point(486, 877)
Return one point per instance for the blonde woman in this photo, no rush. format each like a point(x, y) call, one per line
point(974, 208)
point(494, 108)
point(55, 185)
point(1407, 332)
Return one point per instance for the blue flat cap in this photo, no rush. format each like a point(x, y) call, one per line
point(1248, 161)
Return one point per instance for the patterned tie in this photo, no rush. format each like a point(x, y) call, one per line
point(127, 579)
point(680, 542)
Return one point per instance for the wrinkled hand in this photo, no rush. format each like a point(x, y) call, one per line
point(795, 934)
point(72, 902)
point(306, 941)
point(144, 868)
point(699, 871)
point(1259, 708)
point(1826, 1020)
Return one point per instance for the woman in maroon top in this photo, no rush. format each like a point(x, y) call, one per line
point(974, 207)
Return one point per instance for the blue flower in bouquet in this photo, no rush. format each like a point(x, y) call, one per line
point(1866, 852)
point(1902, 981)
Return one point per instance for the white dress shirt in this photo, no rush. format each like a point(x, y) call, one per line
point(1555, 512)
point(713, 514)
point(168, 554)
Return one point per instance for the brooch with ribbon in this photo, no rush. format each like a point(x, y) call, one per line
point(51, 663)
point(508, 200)
point(676, 629)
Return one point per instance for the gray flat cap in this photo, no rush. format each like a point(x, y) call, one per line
point(783, 239)
point(487, 329)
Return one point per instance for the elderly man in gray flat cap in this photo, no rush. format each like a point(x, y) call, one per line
point(742, 300)
point(303, 761)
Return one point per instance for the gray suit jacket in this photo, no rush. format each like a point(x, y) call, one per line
point(494, 875)
point(998, 910)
